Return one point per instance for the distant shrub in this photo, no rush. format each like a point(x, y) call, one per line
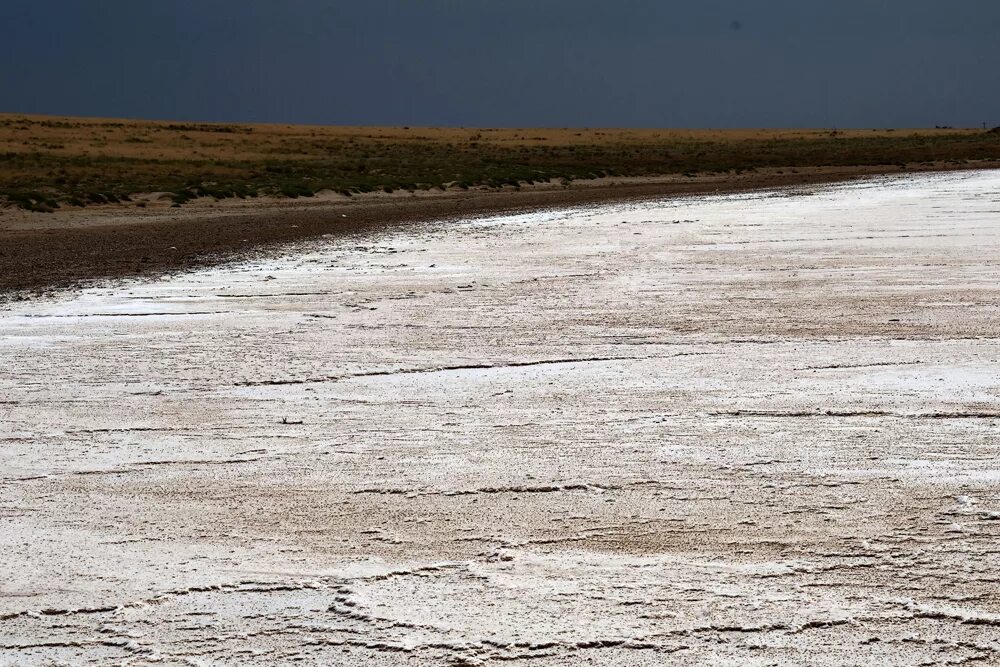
point(183, 196)
point(295, 190)
point(33, 201)
point(203, 127)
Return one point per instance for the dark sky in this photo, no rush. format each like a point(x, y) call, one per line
point(639, 63)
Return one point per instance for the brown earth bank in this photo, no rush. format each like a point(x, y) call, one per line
point(40, 252)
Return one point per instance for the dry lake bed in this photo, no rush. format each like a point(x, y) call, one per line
point(756, 429)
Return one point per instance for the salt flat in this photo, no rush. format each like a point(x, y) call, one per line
point(749, 429)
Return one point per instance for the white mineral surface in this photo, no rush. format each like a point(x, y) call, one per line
point(758, 429)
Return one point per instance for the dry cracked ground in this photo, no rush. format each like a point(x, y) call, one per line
point(755, 429)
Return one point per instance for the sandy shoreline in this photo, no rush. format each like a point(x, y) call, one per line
point(41, 252)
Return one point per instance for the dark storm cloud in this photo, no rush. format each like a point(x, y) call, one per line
point(518, 62)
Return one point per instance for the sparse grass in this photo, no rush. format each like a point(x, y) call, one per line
point(48, 162)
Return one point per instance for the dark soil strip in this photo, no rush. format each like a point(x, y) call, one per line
point(40, 260)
